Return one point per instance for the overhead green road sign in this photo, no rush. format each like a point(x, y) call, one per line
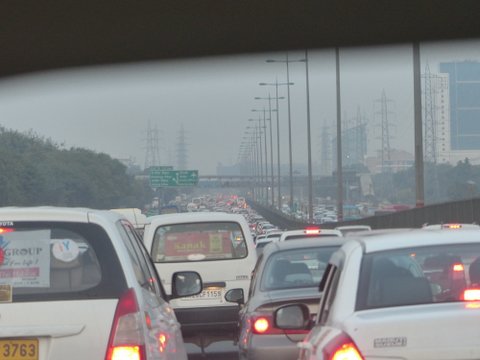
point(155, 170)
point(169, 178)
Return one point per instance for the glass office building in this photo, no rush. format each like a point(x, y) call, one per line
point(464, 86)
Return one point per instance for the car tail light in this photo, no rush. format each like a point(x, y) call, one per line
point(262, 324)
point(452, 226)
point(458, 272)
point(342, 347)
point(126, 340)
point(5, 230)
point(471, 295)
point(458, 267)
point(312, 231)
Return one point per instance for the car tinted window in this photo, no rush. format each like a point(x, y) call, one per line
point(139, 265)
point(57, 261)
point(155, 284)
point(424, 275)
point(199, 242)
point(253, 281)
point(331, 286)
point(296, 268)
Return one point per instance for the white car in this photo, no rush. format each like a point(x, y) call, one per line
point(78, 284)
point(220, 248)
point(313, 232)
point(404, 295)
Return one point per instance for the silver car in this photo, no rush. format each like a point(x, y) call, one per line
point(286, 272)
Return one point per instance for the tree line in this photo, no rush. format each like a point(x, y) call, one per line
point(36, 171)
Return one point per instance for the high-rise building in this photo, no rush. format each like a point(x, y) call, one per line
point(463, 107)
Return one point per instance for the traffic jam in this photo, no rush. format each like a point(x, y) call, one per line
point(144, 287)
point(344, 293)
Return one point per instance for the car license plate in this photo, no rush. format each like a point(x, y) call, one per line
point(19, 349)
point(208, 294)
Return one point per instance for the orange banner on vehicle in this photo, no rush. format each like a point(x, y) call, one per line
point(207, 243)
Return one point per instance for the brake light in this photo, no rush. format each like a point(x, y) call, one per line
point(312, 231)
point(452, 226)
point(5, 230)
point(342, 347)
point(471, 295)
point(262, 324)
point(126, 337)
point(458, 267)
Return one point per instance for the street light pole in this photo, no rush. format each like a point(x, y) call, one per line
point(289, 139)
point(277, 84)
point(272, 181)
point(259, 136)
point(287, 62)
point(339, 140)
point(252, 143)
point(266, 155)
point(309, 146)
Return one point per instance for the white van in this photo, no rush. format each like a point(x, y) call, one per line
point(220, 248)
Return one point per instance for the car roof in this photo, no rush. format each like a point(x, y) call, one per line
point(413, 238)
point(275, 246)
point(53, 213)
point(130, 31)
point(194, 217)
point(350, 227)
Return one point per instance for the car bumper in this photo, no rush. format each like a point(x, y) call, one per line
point(269, 347)
point(219, 319)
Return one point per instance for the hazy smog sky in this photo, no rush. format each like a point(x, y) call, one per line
point(108, 109)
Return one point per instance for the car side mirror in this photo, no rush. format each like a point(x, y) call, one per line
point(235, 296)
point(292, 317)
point(186, 283)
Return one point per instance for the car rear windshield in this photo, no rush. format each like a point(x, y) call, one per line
point(202, 241)
point(57, 261)
point(423, 275)
point(296, 268)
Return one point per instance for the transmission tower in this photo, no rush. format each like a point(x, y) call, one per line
point(152, 156)
point(385, 127)
point(360, 135)
point(181, 150)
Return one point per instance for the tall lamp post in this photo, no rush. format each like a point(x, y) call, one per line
point(309, 146)
point(277, 84)
point(339, 139)
point(258, 135)
point(269, 98)
point(287, 61)
point(250, 137)
point(266, 155)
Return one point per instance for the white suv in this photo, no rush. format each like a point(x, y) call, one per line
point(78, 284)
point(403, 295)
point(220, 248)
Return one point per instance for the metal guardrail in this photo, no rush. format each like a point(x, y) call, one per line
point(463, 211)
